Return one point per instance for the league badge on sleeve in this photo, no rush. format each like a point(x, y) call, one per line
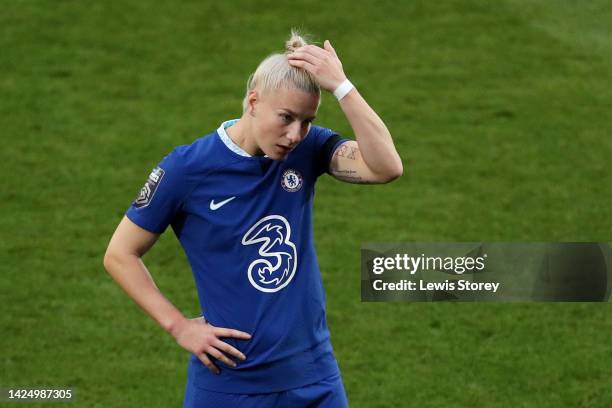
point(291, 180)
point(148, 190)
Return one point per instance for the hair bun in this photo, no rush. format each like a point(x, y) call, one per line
point(296, 41)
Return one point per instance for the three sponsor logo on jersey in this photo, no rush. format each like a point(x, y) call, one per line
point(277, 261)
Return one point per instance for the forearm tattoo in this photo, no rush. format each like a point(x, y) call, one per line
point(350, 176)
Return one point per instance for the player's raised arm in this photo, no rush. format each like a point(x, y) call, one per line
point(123, 261)
point(372, 158)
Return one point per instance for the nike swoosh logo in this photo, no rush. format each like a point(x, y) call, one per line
point(215, 206)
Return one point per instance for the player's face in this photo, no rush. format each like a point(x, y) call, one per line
point(282, 120)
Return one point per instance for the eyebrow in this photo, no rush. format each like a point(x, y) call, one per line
point(295, 114)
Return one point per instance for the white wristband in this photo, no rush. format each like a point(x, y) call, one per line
point(342, 89)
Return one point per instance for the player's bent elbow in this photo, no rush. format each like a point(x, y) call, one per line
point(109, 260)
point(395, 172)
point(112, 260)
point(398, 171)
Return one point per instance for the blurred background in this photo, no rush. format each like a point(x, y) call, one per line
point(500, 111)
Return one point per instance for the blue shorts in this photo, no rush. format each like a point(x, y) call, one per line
point(327, 393)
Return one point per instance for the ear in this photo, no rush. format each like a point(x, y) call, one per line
point(252, 100)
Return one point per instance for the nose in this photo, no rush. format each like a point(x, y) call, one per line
point(294, 135)
point(297, 133)
point(293, 138)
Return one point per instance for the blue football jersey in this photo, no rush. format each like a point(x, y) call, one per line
point(245, 224)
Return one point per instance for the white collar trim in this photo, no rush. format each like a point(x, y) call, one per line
point(228, 141)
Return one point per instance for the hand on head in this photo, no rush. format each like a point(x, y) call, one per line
point(322, 63)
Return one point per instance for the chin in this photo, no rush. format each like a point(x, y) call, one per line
point(276, 156)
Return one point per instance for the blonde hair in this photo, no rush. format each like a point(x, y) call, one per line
point(274, 73)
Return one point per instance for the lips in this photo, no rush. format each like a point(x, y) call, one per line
point(284, 149)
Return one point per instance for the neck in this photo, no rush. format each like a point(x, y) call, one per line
point(241, 134)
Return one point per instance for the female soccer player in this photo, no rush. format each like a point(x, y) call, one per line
point(240, 200)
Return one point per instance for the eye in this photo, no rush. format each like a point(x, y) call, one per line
point(286, 118)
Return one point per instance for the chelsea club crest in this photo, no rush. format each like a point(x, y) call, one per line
point(292, 180)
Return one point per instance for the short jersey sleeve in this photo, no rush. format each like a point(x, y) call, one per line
point(162, 196)
point(326, 141)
